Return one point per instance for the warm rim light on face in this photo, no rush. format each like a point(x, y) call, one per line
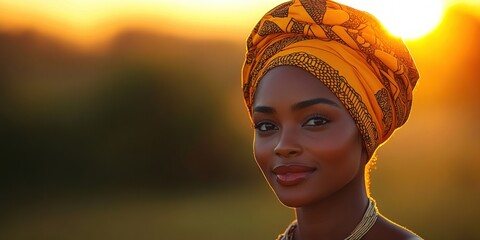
point(409, 19)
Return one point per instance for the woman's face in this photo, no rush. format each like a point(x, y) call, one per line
point(306, 144)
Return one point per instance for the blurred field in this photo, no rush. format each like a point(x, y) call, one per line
point(234, 213)
point(147, 138)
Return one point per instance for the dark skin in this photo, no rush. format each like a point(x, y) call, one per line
point(303, 127)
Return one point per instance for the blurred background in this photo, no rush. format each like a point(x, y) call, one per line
point(125, 120)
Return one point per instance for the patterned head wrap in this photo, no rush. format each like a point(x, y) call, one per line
point(370, 71)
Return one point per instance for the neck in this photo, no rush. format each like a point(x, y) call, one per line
point(334, 217)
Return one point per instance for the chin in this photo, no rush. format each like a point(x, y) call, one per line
point(292, 197)
point(290, 203)
point(288, 200)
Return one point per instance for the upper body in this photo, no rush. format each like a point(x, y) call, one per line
point(312, 155)
point(325, 86)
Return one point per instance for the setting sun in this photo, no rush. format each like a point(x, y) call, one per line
point(409, 19)
point(91, 22)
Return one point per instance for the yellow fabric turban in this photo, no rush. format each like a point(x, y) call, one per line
point(370, 71)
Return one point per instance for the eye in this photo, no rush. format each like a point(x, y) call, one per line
point(316, 121)
point(265, 126)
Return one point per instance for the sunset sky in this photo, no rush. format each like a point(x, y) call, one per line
point(90, 22)
point(112, 128)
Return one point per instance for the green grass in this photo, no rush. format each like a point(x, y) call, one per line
point(230, 214)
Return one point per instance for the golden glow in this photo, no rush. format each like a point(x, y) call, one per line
point(409, 19)
point(88, 22)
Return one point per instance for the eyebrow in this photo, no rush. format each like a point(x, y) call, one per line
point(308, 103)
point(264, 109)
point(299, 105)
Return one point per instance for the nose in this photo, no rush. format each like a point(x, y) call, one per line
point(288, 145)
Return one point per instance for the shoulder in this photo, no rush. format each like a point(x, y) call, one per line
point(384, 228)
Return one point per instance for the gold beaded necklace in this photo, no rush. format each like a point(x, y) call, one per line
point(368, 219)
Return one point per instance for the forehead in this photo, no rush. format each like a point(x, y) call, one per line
point(290, 84)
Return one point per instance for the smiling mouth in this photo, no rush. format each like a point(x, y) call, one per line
point(290, 175)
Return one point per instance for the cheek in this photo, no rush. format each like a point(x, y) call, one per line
point(338, 147)
point(261, 152)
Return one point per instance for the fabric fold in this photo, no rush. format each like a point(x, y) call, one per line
point(369, 70)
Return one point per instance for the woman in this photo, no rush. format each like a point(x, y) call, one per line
point(325, 85)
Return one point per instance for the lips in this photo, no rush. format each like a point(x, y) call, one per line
point(290, 175)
